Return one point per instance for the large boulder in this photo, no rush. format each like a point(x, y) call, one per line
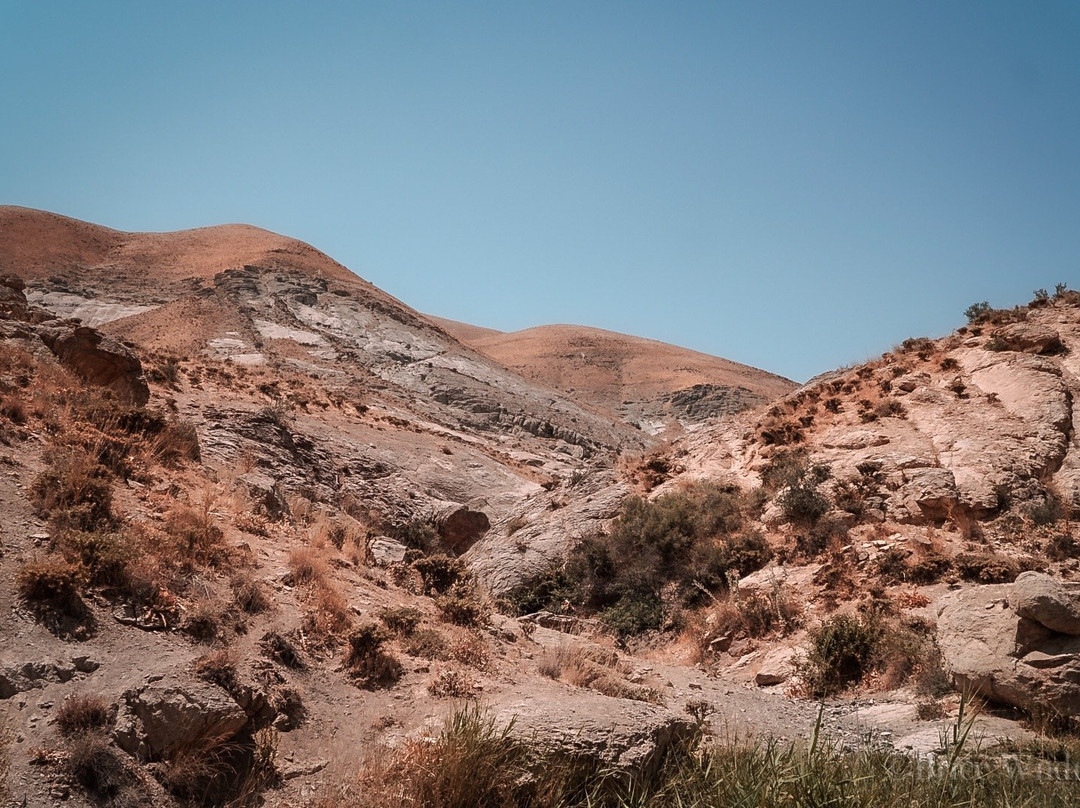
point(99, 360)
point(629, 736)
point(1048, 601)
point(1006, 658)
point(158, 719)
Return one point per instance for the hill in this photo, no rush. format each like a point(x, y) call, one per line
point(653, 385)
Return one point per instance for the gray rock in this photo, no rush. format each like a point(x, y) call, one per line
point(158, 719)
point(776, 668)
point(1048, 601)
point(384, 551)
point(626, 735)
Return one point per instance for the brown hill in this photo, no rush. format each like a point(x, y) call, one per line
point(651, 384)
point(39, 244)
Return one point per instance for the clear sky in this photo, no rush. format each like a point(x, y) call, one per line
point(794, 185)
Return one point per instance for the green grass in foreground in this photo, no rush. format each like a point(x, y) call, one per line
point(474, 763)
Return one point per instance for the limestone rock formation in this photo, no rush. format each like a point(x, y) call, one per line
point(1048, 601)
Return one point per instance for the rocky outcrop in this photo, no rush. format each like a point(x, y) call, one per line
point(19, 678)
point(12, 299)
point(1005, 657)
point(99, 360)
point(1029, 338)
point(630, 736)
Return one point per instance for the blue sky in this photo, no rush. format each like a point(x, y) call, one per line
point(793, 185)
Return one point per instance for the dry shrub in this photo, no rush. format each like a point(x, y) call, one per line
point(426, 643)
point(986, 568)
point(79, 713)
point(402, 620)
point(254, 523)
point(199, 540)
point(218, 667)
point(73, 491)
point(757, 614)
point(473, 762)
point(281, 648)
point(328, 617)
point(104, 557)
point(307, 564)
point(368, 662)
point(176, 443)
point(215, 770)
point(99, 767)
point(451, 683)
point(249, 594)
point(463, 607)
point(469, 650)
point(50, 581)
point(206, 619)
point(595, 670)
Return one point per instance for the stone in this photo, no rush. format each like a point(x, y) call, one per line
point(1006, 658)
point(385, 551)
point(933, 491)
point(777, 667)
point(625, 735)
point(12, 300)
point(1048, 601)
point(157, 719)
point(460, 527)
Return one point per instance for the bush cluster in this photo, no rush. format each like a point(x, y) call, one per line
point(658, 555)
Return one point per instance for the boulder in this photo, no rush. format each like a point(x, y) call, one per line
point(1029, 338)
point(21, 677)
point(777, 667)
point(384, 551)
point(629, 736)
point(267, 493)
point(158, 719)
point(99, 360)
point(1048, 601)
point(933, 491)
point(1006, 658)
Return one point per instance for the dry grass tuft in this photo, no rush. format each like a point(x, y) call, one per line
point(79, 713)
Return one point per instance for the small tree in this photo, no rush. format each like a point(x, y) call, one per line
point(977, 312)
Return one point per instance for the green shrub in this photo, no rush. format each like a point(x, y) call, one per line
point(842, 649)
point(803, 502)
point(978, 312)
